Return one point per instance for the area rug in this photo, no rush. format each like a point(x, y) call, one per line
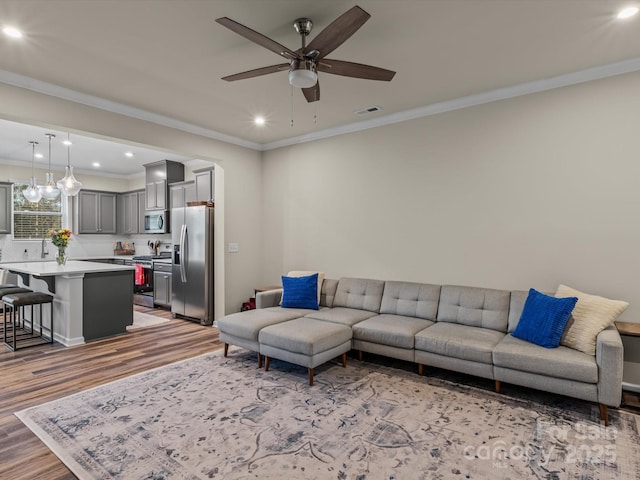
point(212, 417)
point(141, 320)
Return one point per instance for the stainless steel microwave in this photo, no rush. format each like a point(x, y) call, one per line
point(157, 221)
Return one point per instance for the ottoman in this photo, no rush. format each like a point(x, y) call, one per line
point(242, 328)
point(306, 342)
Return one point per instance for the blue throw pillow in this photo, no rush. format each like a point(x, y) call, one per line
point(543, 319)
point(300, 292)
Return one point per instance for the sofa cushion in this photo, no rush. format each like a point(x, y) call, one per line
point(248, 324)
point(410, 299)
point(343, 316)
point(544, 318)
point(359, 293)
point(474, 307)
point(392, 330)
point(591, 315)
point(459, 341)
point(300, 292)
point(328, 292)
point(305, 336)
point(561, 362)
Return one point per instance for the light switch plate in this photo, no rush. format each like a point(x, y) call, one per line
point(234, 248)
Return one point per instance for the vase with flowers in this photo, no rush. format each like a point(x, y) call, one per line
point(60, 238)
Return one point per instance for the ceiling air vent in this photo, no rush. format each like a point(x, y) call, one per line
point(368, 110)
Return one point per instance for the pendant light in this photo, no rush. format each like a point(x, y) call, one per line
point(32, 192)
point(50, 190)
point(68, 184)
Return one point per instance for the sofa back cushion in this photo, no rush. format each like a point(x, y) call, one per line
point(359, 293)
point(475, 307)
point(410, 299)
point(328, 293)
point(516, 305)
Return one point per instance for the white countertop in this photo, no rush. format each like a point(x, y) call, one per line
point(51, 268)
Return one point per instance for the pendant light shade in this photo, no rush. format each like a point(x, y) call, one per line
point(68, 184)
point(32, 192)
point(49, 190)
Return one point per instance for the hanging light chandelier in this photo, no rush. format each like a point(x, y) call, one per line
point(49, 190)
point(68, 184)
point(32, 192)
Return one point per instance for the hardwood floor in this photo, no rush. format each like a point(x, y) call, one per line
point(40, 374)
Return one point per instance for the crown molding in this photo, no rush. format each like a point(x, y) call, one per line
point(574, 78)
point(32, 84)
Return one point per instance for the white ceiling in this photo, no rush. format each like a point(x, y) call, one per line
point(166, 57)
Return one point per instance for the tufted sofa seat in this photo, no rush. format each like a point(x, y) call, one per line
point(459, 328)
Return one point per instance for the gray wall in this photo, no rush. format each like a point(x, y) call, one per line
point(528, 192)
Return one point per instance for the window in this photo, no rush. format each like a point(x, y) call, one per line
point(33, 220)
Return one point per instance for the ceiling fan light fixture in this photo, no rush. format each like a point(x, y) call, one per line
point(302, 73)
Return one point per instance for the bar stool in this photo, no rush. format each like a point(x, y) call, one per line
point(11, 288)
point(15, 301)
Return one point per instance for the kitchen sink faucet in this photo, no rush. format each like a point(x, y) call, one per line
point(44, 251)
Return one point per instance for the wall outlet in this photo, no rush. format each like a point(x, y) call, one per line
point(233, 248)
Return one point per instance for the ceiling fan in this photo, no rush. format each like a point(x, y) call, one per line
point(305, 63)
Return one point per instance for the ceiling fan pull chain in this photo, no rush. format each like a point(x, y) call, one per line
point(315, 112)
point(291, 106)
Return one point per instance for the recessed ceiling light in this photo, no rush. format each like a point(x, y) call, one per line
point(128, 154)
point(259, 120)
point(96, 164)
point(627, 12)
point(38, 155)
point(67, 142)
point(12, 32)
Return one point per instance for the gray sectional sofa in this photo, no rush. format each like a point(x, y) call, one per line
point(464, 329)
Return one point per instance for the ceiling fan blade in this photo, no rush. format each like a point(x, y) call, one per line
point(357, 70)
point(257, 72)
point(312, 94)
point(338, 31)
point(256, 37)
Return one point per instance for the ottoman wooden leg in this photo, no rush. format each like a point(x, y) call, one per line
point(259, 360)
point(360, 355)
point(344, 360)
point(498, 385)
point(311, 377)
point(420, 369)
point(266, 363)
point(226, 349)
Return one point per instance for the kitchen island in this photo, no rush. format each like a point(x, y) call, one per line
point(91, 300)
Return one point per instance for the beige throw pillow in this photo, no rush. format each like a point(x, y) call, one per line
point(591, 315)
point(303, 273)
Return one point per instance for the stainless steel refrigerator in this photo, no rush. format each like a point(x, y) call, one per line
point(192, 272)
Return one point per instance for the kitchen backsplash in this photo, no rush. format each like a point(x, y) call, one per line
point(79, 247)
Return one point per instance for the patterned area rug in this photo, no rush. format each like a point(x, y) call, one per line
point(212, 417)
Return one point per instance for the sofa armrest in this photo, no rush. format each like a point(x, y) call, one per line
point(268, 298)
point(609, 358)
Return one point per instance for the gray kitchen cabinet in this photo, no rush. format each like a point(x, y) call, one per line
point(205, 184)
point(142, 206)
point(156, 195)
point(181, 193)
point(158, 176)
point(96, 212)
point(6, 201)
point(128, 211)
point(162, 285)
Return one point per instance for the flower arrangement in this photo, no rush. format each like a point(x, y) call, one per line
point(59, 237)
